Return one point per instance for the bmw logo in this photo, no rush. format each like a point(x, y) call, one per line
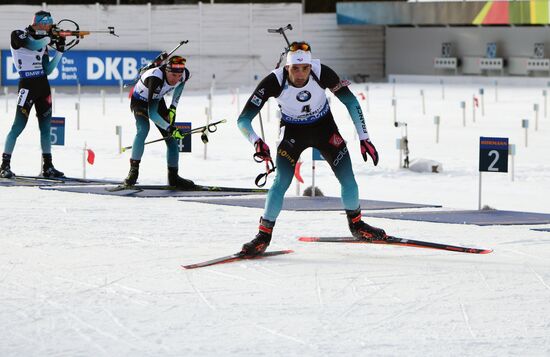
point(303, 96)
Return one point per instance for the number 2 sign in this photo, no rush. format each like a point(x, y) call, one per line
point(493, 154)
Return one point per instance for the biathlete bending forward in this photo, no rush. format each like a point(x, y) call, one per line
point(307, 121)
point(148, 103)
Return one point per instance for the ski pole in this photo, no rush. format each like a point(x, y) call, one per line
point(261, 179)
point(268, 163)
point(211, 128)
point(269, 168)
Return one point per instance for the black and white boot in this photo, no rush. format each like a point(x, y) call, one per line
point(361, 230)
point(5, 170)
point(259, 244)
point(133, 174)
point(47, 167)
point(175, 180)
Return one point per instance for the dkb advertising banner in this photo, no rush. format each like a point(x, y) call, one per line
point(96, 68)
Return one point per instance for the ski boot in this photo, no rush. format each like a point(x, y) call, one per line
point(175, 180)
point(259, 244)
point(361, 230)
point(5, 170)
point(132, 177)
point(47, 167)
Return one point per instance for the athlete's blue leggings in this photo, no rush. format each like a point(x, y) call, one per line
point(283, 179)
point(142, 126)
point(20, 122)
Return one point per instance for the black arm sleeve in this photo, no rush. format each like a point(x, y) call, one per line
point(329, 79)
point(268, 87)
point(18, 38)
point(152, 83)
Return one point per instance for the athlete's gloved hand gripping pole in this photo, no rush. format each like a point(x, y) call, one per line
point(263, 154)
point(179, 134)
point(172, 114)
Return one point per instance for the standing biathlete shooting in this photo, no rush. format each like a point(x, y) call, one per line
point(307, 121)
point(31, 51)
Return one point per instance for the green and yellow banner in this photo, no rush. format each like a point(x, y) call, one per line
point(529, 12)
point(533, 12)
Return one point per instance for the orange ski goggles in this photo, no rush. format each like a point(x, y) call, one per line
point(296, 46)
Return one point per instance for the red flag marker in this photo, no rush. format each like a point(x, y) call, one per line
point(91, 156)
point(297, 172)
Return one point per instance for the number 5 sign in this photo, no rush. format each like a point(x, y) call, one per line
point(493, 154)
point(57, 131)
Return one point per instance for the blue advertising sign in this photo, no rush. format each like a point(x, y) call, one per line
point(57, 131)
point(493, 154)
point(97, 68)
point(185, 143)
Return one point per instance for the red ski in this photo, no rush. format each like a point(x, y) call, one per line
point(235, 257)
point(398, 241)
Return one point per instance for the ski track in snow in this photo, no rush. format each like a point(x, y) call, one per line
point(318, 289)
point(199, 293)
point(238, 277)
point(539, 278)
point(467, 320)
point(284, 336)
point(482, 277)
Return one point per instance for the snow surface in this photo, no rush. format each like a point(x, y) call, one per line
point(88, 275)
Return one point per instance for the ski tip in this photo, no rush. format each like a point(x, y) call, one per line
point(486, 251)
point(308, 239)
point(271, 253)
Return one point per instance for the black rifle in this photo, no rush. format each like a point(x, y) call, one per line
point(58, 34)
point(281, 30)
point(163, 56)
